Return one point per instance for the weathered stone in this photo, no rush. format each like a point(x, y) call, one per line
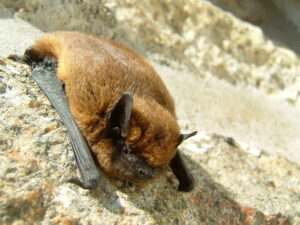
point(240, 179)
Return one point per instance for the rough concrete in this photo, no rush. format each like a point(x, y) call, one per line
point(228, 80)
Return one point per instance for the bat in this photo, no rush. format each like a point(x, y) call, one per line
point(119, 114)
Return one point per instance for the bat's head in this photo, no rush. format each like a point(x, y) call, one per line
point(142, 139)
point(126, 163)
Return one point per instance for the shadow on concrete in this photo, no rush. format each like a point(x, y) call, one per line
point(5, 13)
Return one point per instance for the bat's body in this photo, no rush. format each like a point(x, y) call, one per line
point(120, 104)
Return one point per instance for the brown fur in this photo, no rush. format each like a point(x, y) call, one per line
point(96, 72)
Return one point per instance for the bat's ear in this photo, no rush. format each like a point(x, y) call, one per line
point(119, 118)
point(183, 137)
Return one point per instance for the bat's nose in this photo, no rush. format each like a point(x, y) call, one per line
point(147, 173)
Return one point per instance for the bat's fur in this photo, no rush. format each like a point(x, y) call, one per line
point(96, 72)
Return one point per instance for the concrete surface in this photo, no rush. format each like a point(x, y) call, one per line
point(16, 35)
point(36, 157)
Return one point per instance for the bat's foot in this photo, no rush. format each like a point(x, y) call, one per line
point(91, 184)
point(34, 58)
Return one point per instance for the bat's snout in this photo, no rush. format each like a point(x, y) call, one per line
point(134, 168)
point(147, 173)
point(141, 169)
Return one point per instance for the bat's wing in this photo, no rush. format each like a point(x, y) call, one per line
point(186, 181)
point(45, 76)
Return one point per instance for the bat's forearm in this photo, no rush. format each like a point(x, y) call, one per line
point(52, 87)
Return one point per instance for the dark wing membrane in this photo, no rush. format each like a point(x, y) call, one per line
point(186, 181)
point(53, 88)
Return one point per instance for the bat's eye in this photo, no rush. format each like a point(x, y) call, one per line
point(125, 150)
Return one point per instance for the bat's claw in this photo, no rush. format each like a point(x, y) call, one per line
point(90, 184)
point(16, 58)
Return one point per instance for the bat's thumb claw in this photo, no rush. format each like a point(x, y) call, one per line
point(90, 184)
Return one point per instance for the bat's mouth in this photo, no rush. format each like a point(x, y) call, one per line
point(141, 168)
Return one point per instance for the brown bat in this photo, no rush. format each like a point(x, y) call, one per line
point(120, 104)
